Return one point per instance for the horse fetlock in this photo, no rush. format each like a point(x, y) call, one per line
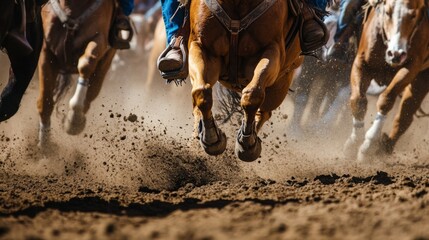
point(374, 132)
point(44, 136)
point(351, 146)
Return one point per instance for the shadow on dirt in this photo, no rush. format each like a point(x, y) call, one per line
point(151, 209)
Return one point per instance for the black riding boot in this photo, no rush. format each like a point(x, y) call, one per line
point(122, 25)
point(314, 33)
point(16, 41)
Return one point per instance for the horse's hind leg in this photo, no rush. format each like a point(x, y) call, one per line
point(204, 72)
point(412, 98)
point(75, 120)
point(48, 71)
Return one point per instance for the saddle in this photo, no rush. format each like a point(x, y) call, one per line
point(15, 40)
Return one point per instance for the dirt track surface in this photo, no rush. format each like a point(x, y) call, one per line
point(136, 173)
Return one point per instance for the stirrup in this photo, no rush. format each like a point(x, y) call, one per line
point(116, 39)
point(181, 74)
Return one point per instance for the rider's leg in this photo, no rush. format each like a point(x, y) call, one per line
point(16, 40)
point(122, 23)
point(348, 14)
point(313, 33)
point(172, 58)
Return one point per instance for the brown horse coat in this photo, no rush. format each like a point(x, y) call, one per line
point(265, 68)
point(80, 45)
point(394, 50)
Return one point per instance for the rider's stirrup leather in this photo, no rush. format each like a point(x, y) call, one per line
point(182, 72)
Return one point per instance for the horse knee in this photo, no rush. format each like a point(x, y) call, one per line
point(202, 97)
point(385, 102)
point(87, 62)
point(358, 106)
point(252, 98)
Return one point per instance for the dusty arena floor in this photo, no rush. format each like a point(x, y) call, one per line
point(136, 173)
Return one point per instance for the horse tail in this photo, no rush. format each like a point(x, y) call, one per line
point(61, 87)
point(229, 103)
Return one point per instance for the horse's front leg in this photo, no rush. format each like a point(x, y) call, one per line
point(248, 145)
point(385, 103)
point(75, 120)
point(48, 71)
point(204, 71)
point(412, 98)
point(359, 83)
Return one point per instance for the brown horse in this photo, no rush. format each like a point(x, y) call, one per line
point(76, 37)
point(394, 50)
point(23, 60)
point(260, 65)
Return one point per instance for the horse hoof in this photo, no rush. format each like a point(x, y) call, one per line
point(248, 153)
point(216, 148)
point(212, 139)
point(350, 148)
point(367, 150)
point(75, 123)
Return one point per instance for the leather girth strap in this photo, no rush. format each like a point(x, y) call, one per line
point(235, 27)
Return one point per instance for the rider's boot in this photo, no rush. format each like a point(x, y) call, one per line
point(122, 31)
point(172, 63)
point(171, 59)
point(314, 33)
point(16, 41)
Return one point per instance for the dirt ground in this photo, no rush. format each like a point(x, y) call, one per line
point(137, 173)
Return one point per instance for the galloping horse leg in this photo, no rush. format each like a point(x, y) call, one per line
point(203, 77)
point(48, 71)
point(359, 83)
point(248, 144)
point(412, 98)
point(96, 81)
point(23, 68)
point(385, 103)
point(75, 120)
point(302, 93)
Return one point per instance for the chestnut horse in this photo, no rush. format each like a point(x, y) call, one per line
point(76, 37)
point(393, 50)
point(23, 64)
point(263, 71)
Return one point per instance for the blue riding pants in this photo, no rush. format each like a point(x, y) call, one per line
point(320, 4)
point(172, 21)
point(348, 13)
point(127, 6)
